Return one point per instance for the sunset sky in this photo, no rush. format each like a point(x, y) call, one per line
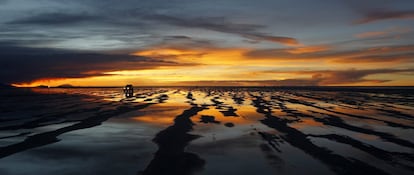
point(207, 42)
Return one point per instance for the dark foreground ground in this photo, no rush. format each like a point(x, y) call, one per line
point(207, 131)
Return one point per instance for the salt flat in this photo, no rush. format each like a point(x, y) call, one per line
point(207, 130)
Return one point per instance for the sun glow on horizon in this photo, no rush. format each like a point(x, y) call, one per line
point(230, 66)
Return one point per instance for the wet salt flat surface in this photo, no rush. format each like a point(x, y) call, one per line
point(207, 131)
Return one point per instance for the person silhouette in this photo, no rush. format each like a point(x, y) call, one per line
point(129, 91)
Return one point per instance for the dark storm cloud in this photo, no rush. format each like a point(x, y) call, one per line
point(19, 64)
point(220, 24)
point(55, 18)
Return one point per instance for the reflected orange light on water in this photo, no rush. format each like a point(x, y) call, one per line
point(306, 122)
point(161, 114)
point(160, 120)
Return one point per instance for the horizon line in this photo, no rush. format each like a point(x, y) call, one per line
point(199, 86)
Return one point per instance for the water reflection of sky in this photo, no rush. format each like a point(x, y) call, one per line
point(123, 144)
point(116, 147)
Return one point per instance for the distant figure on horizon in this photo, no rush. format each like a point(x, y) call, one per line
point(129, 91)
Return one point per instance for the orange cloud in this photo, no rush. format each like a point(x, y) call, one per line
point(391, 54)
point(305, 53)
point(376, 59)
point(207, 66)
point(348, 77)
point(202, 56)
point(277, 39)
point(169, 53)
point(371, 34)
point(394, 32)
point(308, 49)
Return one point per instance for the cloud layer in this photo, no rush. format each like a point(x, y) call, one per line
point(192, 41)
point(15, 67)
point(374, 16)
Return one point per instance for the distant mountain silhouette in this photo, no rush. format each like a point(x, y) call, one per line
point(42, 86)
point(65, 86)
point(2, 85)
